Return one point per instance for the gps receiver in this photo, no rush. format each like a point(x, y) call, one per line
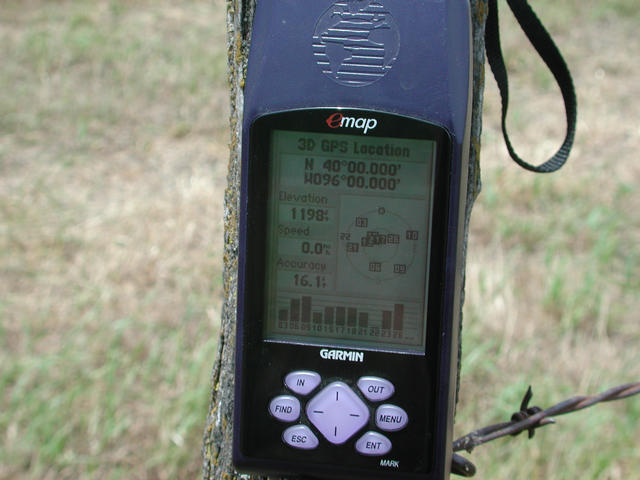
point(354, 161)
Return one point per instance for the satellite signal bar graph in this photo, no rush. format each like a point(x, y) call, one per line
point(311, 315)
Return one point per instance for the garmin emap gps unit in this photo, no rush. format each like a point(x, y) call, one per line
point(354, 164)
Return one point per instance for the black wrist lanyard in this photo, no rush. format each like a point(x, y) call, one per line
point(546, 48)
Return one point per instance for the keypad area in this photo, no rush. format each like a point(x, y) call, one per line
point(338, 413)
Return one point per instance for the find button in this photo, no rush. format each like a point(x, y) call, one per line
point(285, 408)
point(375, 389)
point(300, 436)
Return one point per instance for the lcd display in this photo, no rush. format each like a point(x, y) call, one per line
point(348, 240)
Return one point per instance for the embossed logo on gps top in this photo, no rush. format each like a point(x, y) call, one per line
point(356, 42)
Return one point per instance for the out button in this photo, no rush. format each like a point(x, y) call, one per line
point(375, 389)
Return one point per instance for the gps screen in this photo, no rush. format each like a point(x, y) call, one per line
point(348, 240)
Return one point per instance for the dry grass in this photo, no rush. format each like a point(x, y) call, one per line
point(112, 152)
point(553, 274)
point(113, 146)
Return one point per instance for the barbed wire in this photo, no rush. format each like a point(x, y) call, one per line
point(529, 419)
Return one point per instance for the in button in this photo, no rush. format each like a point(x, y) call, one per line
point(302, 382)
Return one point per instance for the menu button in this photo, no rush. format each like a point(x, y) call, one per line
point(391, 418)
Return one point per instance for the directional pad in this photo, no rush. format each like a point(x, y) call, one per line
point(337, 412)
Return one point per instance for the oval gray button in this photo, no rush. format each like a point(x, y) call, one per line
point(375, 389)
point(373, 444)
point(391, 418)
point(285, 408)
point(302, 382)
point(300, 436)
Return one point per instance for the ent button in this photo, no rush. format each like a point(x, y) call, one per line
point(373, 444)
point(300, 436)
point(391, 418)
point(285, 408)
point(375, 389)
point(302, 382)
point(337, 412)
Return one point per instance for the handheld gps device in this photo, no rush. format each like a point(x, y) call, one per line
point(354, 163)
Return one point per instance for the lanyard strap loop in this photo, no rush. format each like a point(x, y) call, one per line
point(546, 48)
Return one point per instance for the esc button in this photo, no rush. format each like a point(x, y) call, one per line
point(300, 436)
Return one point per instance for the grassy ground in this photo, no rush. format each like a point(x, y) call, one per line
point(112, 157)
point(112, 161)
point(554, 264)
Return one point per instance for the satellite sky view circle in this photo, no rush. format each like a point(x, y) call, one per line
point(356, 42)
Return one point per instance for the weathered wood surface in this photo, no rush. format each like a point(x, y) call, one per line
point(216, 448)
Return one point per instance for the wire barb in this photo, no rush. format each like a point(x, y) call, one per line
point(530, 418)
point(525, 412)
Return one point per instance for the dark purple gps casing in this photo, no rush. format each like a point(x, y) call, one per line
point(406, 64)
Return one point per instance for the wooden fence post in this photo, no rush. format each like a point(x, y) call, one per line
point(216, 447)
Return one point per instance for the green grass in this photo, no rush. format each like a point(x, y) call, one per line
point(112, 153)
point(554, 260)
point(123, 55)
point(113, 146)
point(82, 404)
